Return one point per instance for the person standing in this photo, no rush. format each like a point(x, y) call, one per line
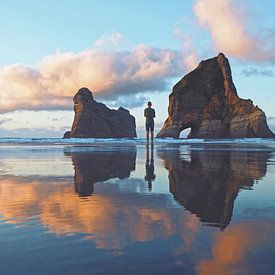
point(149, 114)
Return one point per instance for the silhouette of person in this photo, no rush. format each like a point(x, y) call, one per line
point(149, 167)
point(149, 114)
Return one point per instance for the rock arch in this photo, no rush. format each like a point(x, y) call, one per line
point(206, 100)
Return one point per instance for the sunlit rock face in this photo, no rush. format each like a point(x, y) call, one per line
point(206, 101)
point(96, 166)
point(209, 182)
point(96, 120)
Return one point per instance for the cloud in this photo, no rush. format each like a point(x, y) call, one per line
point(5, 120)
point(256, 72)
point(109, 74)
point(189, 52)
point(34, 131)
point(226, 20)
point(25, 88)
point(113, 39)
point(134, 101)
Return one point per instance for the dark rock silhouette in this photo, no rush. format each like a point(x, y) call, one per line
point(96, 120)
point(97, 166)
point(206, 101)
point(209, 182)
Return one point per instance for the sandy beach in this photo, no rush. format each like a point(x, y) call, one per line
point(137, 137)
point(172, 207)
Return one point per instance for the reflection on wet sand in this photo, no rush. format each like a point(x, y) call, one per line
point(245, 248)
point(206, 182)
point(98, 166)
point(209, 182)
point(149, 166)
point(111, 218)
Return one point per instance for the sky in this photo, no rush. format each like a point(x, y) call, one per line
point(126, 53)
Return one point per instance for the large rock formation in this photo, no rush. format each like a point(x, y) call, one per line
point(206, 101)
point(96, 120)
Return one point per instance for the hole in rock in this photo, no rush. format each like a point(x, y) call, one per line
point(184, 133)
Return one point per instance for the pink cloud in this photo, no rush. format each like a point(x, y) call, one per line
point(114, 39)
point(109, 74)
point(227, 21)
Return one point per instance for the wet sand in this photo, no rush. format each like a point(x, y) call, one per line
point(132, 208)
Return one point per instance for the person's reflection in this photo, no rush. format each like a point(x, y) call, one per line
point(149, 166)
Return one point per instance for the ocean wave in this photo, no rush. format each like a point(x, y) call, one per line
point(126, 141)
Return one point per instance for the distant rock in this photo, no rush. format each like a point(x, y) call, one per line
point(206, 101)
point(96, 120)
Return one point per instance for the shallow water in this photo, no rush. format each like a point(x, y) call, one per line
point(125, 208)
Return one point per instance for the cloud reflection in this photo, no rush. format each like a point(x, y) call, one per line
point(113, 218)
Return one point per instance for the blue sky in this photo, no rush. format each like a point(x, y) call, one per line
point(33, 29)
point(51, 49)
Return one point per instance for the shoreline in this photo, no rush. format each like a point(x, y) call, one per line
point(86, 145)
point(135, 141)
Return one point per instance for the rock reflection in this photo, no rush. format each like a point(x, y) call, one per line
point(209, 182)
point(95, 166)
point(112, 218)
point(142, 230)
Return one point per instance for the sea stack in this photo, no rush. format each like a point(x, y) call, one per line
point(96, 120)
point(206, 101)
